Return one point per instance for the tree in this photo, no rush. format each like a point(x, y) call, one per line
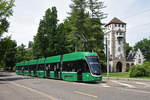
point(28, 54)
point(144, 46)
point(85, 26)
point(44, 41)
point(20, 54)
point(96, 7)
point(9, 58)
point(77, 20)
point(128, 48)
point(9, 50)
point(30, 44)
point(94, 26)
point(23, 54)
point(70, 37)
point(5, 11)
point(60, 41)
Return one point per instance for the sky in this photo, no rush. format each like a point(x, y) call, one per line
point(27, 14)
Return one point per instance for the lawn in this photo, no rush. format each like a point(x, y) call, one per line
point(117, 75)
point(123, 75)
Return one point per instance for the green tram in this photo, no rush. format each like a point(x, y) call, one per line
point(19, 68)
point(78, 66)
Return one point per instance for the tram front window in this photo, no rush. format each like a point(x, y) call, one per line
point(94, 65)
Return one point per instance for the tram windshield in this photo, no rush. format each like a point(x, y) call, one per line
point(94, 65)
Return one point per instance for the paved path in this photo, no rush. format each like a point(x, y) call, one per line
point(13, 87)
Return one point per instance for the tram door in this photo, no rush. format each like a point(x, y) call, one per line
point(79, 71)
point(56, 69)
point(29, 69)
point(79, 74)
point(34, 70)
point(48, 71)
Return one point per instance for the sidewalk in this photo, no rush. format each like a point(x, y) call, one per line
point(126, 79)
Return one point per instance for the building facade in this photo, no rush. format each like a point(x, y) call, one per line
point(135, 58)
point(116, 40)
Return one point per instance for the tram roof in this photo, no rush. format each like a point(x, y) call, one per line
point(26, 63)
point(21, 63)
point(41, 61)
point(17, 64)
point(78, 56)
point(32, 62)
point(53, 59)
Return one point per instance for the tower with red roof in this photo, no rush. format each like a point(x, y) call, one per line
point(116, 41)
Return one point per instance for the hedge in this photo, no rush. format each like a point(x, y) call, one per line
point(140, 70)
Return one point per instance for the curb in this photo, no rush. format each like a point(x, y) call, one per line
point(126, 79)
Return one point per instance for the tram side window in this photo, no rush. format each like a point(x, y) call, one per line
point(20, 67)
point(41, 67)
point(75, 66)
point(34, 67)
point(30, 67)
point(17, 68)
point(68, 67)
point(25, 67)
point(52, 66)
point(85, 67)
point(47, 66)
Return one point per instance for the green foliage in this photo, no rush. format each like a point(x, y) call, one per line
point(117, 75)
point(77, 19)
point(81, 30)
point(30, 44)
point(96, 7)
point(9, 50)
point(10, 55)
point(85, 27)
point(70, 37)
point(23, 54)
point(128, 48)
point(60, 41)
point(144, 46)
point(44, 41)
point(20, 54)
point(5, 11)
point(29, 54)
point(140, 70)
point(3, 26)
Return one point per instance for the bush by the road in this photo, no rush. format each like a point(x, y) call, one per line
point(140, 70)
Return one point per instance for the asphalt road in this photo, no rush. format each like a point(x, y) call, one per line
point(13, 87)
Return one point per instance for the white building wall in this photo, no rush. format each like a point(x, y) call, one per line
point(139, 58)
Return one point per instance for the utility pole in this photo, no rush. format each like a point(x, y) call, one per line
point(107, 54)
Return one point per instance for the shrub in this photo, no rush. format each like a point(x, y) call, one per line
point(146, 65)
point(140, 70)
